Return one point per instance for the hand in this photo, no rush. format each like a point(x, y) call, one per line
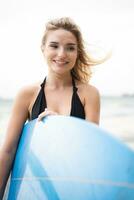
point(46, 113)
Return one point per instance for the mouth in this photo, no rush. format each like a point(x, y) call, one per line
point(59, 62)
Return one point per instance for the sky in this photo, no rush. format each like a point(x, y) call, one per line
point(106, 25)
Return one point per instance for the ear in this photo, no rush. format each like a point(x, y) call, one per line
point(42, 48)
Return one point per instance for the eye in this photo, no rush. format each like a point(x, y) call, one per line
point(54, 46)
point(70, 48)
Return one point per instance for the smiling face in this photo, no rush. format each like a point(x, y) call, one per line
point(60, 51)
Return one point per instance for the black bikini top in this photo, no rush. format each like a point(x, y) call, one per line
point(77, 108)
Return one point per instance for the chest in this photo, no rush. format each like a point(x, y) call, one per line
point(59, 100)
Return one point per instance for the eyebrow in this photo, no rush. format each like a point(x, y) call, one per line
point(70, 43)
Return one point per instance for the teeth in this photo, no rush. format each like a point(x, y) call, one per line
point(60, 62)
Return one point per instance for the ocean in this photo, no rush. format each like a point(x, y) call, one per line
point(117, 117)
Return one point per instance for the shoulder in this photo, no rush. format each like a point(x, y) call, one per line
point(92, 96)
point(29, 89)
point(26, 93)
point(88, 91)
point(91, 102)
point(91, 91)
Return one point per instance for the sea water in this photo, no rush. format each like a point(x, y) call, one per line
point(117, 117)
point(5, 110)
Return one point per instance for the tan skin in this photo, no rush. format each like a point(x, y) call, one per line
point(60, 52)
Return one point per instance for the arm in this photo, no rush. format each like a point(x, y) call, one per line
point(92, 104)
point(18, 117)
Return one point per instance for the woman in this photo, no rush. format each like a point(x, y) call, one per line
point(65, 90)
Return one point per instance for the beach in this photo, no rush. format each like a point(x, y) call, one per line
point(117, 117)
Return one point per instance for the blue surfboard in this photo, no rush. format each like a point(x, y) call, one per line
point(66, 158)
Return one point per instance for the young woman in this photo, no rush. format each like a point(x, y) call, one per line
point(64, 91)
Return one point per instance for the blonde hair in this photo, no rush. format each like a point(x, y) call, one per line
point(82, 69)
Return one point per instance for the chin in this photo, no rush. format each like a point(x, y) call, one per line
point(60, 69)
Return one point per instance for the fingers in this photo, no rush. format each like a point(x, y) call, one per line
point(46, 113)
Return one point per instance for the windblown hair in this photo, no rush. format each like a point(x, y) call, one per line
point(82, 69)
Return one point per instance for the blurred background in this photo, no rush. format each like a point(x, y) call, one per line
point(106, 25)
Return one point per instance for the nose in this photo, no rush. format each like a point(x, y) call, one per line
point(61, 52)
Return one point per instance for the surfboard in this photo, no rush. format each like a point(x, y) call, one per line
point(63, 158)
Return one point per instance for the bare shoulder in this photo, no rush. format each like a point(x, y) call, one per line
point(91, 98)
point(29, 89)
point(91, 91)
point(88, 91)
point(24, 99)
point(26, 93)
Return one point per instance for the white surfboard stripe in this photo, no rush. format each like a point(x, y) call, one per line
point(77, 179)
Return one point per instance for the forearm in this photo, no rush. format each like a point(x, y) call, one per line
point(6, 160)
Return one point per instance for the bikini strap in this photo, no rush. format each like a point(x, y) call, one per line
point(43, 83)
point(74, 86)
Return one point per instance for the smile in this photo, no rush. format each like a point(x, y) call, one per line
point(60, 62)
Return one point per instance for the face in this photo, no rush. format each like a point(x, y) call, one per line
point(60, 51)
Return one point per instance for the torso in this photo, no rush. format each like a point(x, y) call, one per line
point(57, 100)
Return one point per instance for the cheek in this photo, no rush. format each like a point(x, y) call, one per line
point(74, 57)
point(48, 55)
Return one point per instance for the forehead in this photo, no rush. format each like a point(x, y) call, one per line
point(61, 36)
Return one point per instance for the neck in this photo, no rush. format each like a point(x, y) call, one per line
point(58, 80)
